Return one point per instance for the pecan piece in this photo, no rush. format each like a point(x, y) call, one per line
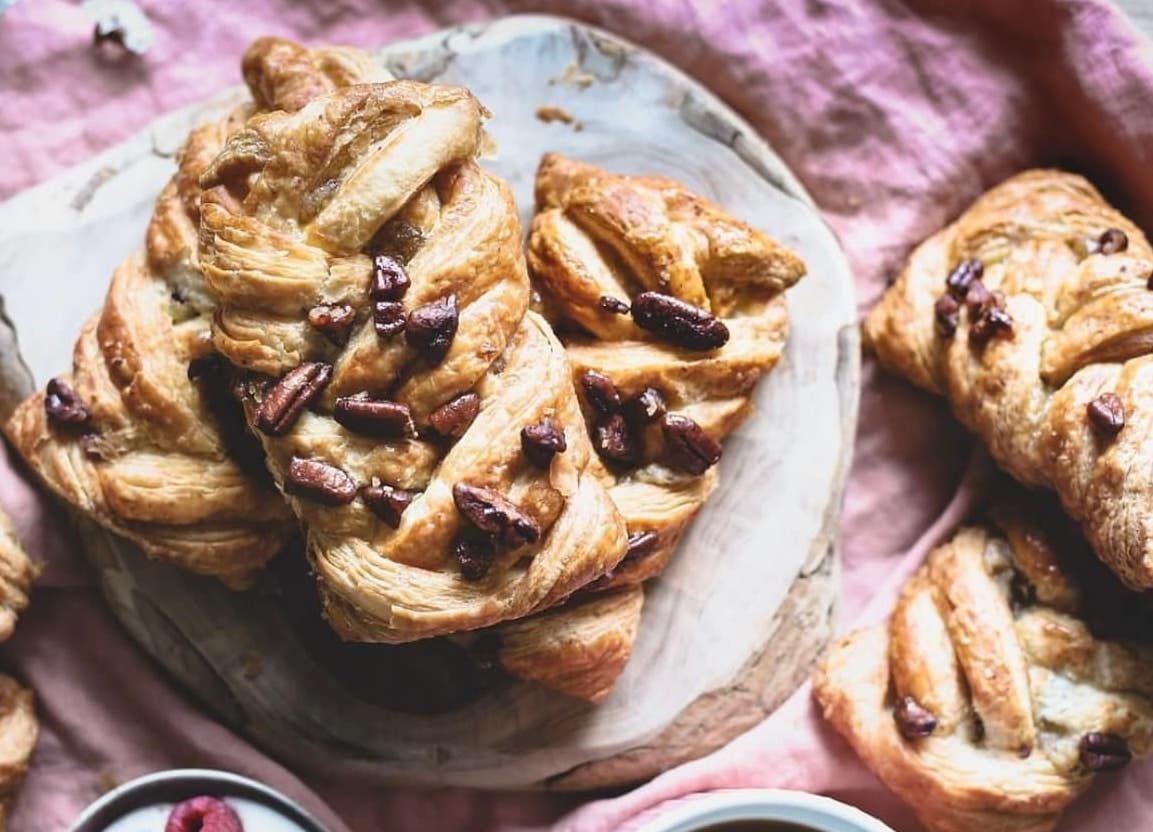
point(316, 480)
point(600, 392)
point(388, 318)
point(647, 406)
point(453, 418)
point(976, 297)
point(948, 314)
point(64, 408)
point(399, 238)
point(679, 323)
point(432, 327)
point(474, 556)
point(1112, 241)
point(1104, 751)
point(495, 515)
point(1106, 414)
point(616, 306)
point(542, 441)
point(691, 449)
point(912, 720)
point(389, 279)
point(386, 502)
point(963, 274)
point(381, 418)
point(614, 440)
point(333, 321)
point(992, 320)
point(284, 403)
point(641, 545)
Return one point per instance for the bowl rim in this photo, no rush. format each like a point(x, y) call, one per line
point(174, 785)
point(694, 812)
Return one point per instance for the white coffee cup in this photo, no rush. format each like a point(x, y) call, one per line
point(822, 814)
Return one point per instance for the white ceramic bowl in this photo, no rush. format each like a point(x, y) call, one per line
point(806, 810)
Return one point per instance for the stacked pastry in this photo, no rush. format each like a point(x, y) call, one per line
point(335, 291)
point(988, 700)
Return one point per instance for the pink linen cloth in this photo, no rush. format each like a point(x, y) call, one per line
point(894, 115)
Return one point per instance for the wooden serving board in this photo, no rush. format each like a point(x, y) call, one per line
point(731, 628)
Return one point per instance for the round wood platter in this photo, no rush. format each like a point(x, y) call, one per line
point(729, 630)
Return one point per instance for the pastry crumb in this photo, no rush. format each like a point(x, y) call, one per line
point(573, 75)
point(548, 114)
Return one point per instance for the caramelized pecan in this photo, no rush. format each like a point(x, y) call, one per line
point(386, 502)
point(432, 327)
point(388, 318)
point(678, 322)
point(495, 515)
point(452, 418)
point(615, 441)
point(991, 320)
point(600, 392)
point(947, 312)
point(283, 404)
point(316, 480)
point(64, 408)
point(963, 274)
point(912, 720)
point(474, 556)
point(690, 448)
point(1106, 414)
point(1112, 241)
point(389, 279)
point(381, 418)
point(616, 306)
point(542, 441)
point(1103, 751)
point(647, 406)
point(333, 321)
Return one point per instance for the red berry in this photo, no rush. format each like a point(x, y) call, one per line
point(203, 814)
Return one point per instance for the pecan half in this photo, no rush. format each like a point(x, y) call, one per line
point(453, 418)
point(474, 557)
point(542, 441)
point(690, 448)
point(284, 403)
point(432, 327)
point(1112, 241)
point(333, 321)
point(647, 406)
point(912, 720)
point(616, 306)
point(976, 297)
point(947, 312)
point(495, 515)
point(600, 392)
point(1106, 414)
point(1103, 751)
point(381, 418)
point(386, 502)
point(398, 237)
point(64, 408)
point(388, 318)
point(678, 322)
point(389, 279)
point(316, 480)
point(615, 441)
point(991, 320)
point(963, 274)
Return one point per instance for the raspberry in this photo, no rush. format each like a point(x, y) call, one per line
point(203, 814)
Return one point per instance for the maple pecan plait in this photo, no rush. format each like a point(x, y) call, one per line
point(1006, 678)
point(143, 435)
point(1033, 315)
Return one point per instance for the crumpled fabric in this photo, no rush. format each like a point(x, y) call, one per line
point(894, 115)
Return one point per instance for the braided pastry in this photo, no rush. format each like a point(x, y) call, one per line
point(989, 700)
point(679, 310)
point(423, 426)
point(19, 727)
point(142, 435)
point(1032, 314)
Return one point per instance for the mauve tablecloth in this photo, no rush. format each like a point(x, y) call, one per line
point(894, 115)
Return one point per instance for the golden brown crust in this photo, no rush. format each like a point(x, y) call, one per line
point(19, 730)
point(1005, 686)
point(1082, 326)
point(17, 572)
point(156, 463)
point(388, 170)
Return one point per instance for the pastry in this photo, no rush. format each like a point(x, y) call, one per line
point(143, 435)
point(1032, 314)
point(19, 727)
point(1002, 683)
point(420, 421)
point(671, 312)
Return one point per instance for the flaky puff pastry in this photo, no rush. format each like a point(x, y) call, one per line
point(151, 444)
point(987, 702)
point(604, 248)
point(1041, 342)
point(19, 727)
point(371, 283)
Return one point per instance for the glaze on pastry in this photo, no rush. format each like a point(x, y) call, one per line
point(671, 312)
point(1032, 314)
point(987, 701)
point(143, 435)
point(371, 285)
